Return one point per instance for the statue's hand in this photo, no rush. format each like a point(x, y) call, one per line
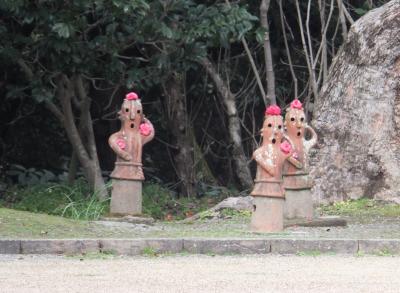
point(126, 156)
point(295, 161)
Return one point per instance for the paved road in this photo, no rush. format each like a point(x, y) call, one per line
point(200, 274)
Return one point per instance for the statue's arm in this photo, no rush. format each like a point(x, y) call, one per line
point(313, 140)
point(113, 142)
point(264, 163)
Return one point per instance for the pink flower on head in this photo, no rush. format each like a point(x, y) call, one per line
point(131, 96)
point(145, 129)
point(121, 143)
point(286, 147)
point(273, 110)
point(296, 104)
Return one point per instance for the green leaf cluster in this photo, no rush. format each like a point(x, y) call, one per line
point(131, 42)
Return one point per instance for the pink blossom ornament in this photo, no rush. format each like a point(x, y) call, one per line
point(286, 147)
point(273, 110)
point(121, 143)
point(296, 104)
point(131, 96)
point(145, 129)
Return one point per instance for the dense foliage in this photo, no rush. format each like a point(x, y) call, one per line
point(113, 46)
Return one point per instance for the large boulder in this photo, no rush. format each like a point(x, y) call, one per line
point(357, 115)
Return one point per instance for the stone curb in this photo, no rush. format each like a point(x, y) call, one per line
point(199, 246)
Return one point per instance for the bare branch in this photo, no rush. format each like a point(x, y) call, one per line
point(347, 14)
point(54, 109)
point(26, 69)
point(49, 105)
point(253, 66)
point(342, 19)
point(288, 50)
point(324, 53)
point(308, 32)
point(323, 37)
point(309, 65)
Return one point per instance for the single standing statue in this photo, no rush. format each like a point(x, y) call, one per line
point(136, 131)
point(296, 179)
point(268, 192)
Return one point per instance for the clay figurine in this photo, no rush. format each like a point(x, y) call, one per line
point(268, 192)
point(136, 131)
point(296, 179)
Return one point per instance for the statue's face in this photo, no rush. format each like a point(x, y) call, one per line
point(272, 130)
point(131, 112)
point(294, 122)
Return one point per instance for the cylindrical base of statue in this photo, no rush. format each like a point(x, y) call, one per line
point(126, 197)
point(267, 215)
point(298, 204)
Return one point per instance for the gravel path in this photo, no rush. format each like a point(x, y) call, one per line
point(196, 273)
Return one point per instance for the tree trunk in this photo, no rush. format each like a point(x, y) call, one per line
point(82, 141)
point(239, 158)
point(71, 91)
point(179, 124)
point(72, 169)
point(358, 114)
point(270, 75)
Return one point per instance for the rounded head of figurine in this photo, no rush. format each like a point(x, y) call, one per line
point(295, 120)
point(131, 111)
point(272, 130)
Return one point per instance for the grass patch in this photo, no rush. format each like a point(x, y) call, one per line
point(235, 213)
point(362, 207)
point(360, 254)
point(315, 253)
point(384, 252)
point(227, 213)
point(149, 251)
point(75, 202)
point(309, 253)
point(95, 255)
point(21, 224)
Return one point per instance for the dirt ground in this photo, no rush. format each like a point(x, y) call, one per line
point(199, 273)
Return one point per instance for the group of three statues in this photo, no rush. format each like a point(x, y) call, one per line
point(282, 184)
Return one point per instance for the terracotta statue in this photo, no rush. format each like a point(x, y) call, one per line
point(297, 181)
point(268, 191)
point(136, 131)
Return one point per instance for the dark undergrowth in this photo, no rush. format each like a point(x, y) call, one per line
point(77, 202)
